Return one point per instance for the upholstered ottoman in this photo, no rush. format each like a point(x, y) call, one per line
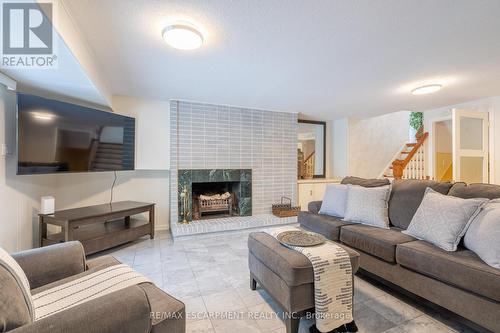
point(286, 275)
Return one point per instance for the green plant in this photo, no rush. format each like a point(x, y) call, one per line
point(416, 120)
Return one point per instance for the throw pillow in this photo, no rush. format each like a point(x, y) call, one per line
point(11, 267)
point(334, 201)
point(368, 205)
point(483, 235)
point(442, 219)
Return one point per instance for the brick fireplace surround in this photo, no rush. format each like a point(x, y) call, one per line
point(207, 137)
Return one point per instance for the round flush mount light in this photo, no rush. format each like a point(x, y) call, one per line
point(182, 37)
point(427, 89)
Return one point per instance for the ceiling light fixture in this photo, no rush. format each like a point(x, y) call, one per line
point(427, 89)
point(182, 37)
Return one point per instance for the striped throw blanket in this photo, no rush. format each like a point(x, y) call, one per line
point(332, 282)
point(84, 289)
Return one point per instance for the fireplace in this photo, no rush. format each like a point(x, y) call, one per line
point(213, 193)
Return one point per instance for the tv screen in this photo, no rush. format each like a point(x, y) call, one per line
point(54, 136)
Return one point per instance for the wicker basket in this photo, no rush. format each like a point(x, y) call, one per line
point(285, 209)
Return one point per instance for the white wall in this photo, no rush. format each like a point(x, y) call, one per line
point(320, 138)
point(152, 130)
point(373, 142)
point(83, 189)
point(490, 105)
point(19, 195)
point(339, 139)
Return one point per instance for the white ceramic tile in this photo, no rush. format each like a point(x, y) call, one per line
point(267, 317)
point(227, 300)
point(199, 326)
point(195, 308)
point(393, 309)
point(240, 325)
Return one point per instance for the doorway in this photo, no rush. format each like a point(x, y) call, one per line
point(460, 147)
point(443, 150)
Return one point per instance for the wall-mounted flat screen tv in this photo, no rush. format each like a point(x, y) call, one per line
point(54, 136)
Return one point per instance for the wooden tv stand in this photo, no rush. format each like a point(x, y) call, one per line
point(99, 227)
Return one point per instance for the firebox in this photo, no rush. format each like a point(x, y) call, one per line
point(215, 199)
point(214, 193)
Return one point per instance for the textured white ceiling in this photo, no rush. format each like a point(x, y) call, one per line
point(324, 58)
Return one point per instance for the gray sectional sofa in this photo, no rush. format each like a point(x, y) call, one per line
point(458, 281)
point(139, 308)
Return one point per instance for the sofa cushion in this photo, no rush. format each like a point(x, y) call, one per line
point(377, 242)
point(463, 268)
point(293, 267)
point(93, 266)
point(464, 191)
point(365, 182)
point(124, 311)
point(328, 226)
point(407, 195)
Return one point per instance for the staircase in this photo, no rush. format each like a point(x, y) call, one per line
point(305, 166)
point(309, 166)
point(409, 162)
point(108, 157)
point(300, 164)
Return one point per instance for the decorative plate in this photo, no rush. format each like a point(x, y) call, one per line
point(300, 238)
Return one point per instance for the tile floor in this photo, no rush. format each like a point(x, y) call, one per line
point(209, 274)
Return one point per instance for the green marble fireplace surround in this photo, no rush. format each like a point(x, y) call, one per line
point(241, 184)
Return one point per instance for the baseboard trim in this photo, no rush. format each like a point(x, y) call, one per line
point(162, 227)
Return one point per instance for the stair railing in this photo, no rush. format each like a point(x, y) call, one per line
point(309, 166)
point(413, 166)
point(92, 153)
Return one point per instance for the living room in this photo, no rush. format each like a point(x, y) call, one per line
point(197, 164)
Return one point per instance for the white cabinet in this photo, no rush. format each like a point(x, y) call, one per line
point(312, 190)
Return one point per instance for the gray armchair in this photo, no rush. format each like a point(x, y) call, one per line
point(126, 310)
